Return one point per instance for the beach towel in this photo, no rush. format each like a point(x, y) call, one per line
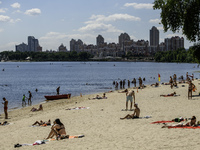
point(77, 108)
point(186, 127)
point(39, 142)
point(162, 122)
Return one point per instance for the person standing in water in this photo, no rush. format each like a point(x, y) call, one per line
point(5, 107)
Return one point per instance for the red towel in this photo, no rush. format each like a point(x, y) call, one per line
point(186, 127)
point(161, 122)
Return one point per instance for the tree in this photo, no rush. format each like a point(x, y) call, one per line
point(180, 14)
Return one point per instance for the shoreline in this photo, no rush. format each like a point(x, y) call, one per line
point(101, 123)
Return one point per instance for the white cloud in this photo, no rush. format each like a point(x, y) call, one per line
point(139, 5)
point(0, 2)
point(173, 35)
point(114, 17)
point(15, 5)
point(4, 18)
point(3, 10)
point(154, 21)
point(8, 46)
point(33, 12)
point(160, 28)
point(99, 28)
point(15, 20)
point(1, 30)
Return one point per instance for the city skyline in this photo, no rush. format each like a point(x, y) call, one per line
point(77, 20)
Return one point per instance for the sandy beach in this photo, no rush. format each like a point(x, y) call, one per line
point(101, 123)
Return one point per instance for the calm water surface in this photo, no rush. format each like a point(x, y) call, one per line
point(78, 77)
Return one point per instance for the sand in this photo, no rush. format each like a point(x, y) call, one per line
point(101, 123)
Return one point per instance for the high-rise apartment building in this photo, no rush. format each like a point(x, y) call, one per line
point(174, 43)
point(154, 36)
point(76, 45)
point(123, 39)
point(33, 45)
point(99, 40)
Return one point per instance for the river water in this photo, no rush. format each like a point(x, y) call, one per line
point(78, 77)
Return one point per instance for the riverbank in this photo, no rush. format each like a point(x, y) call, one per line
point(101, 123)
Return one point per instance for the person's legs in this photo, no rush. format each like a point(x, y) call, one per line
point(52, 133)
point(131, 105)
point(127, 116)
point(36, 123)
point(6, 113)
point(126, 105)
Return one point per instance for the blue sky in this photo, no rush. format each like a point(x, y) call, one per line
point(54, 22)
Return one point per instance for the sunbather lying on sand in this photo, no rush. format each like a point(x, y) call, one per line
point(172, 94)
point(42, 123)
point(4, 123)
point(192, 123)
point(99, 97)
point(124, 91)
point(156, 84)
point(35, 109)
point(135, 114)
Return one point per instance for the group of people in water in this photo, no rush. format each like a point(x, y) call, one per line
point(122, 83)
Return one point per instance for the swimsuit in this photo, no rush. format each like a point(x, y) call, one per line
point(135, 117)
point(129, 98)
point(5, 108)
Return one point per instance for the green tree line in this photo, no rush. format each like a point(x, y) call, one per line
point(179, 55)
point(45, 56)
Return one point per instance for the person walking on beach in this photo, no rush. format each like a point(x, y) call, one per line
point(190, 86)
point(5, 107)
point(58, 90)
point(29, 99)
point(24, 100)
point(135, 114)
point(129, 96)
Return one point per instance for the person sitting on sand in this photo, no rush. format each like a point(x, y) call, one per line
point(124, 91)
point(42, 123)
point(135, 114)
point(156, 85)
point(172, 94)
point(58, 130)
point(35, 109)
point(192, 123)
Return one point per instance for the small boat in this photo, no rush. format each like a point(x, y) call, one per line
point(55, 97)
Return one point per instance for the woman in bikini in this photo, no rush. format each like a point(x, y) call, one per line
point(58, 130)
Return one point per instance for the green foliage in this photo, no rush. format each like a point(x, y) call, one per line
point(180, 55)
point(45, 56)
point(180, 14)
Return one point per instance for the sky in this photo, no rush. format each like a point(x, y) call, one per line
point(56, 22)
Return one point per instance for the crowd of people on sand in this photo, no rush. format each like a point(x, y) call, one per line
point(130, 96)
point(58, 129)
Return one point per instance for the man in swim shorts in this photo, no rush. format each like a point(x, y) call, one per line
point(5, 107)
point(129, 96)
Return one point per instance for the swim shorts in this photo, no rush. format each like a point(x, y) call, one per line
point(129, 98)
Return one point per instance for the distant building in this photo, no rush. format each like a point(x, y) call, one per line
point(76, 45)
point(154, 36)
point(33, 45)
point(99, 40)
point(62, 48)
point(174, 43)
point(21, 47)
